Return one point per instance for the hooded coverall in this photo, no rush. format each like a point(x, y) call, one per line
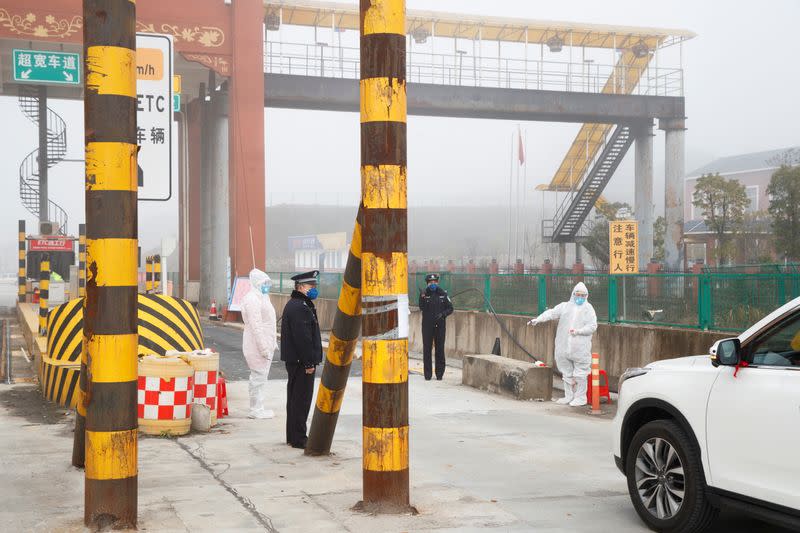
point(260, 340)
point(573, 346)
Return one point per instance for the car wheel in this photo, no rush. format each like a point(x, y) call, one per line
point(665, 479)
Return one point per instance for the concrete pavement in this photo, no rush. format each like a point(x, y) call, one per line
point(478, 462)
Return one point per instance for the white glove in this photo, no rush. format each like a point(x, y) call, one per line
point(533, 321)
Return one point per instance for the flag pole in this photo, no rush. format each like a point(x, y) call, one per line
point(510, 183)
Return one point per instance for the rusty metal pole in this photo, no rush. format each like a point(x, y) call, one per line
point(341, 347)
point(22, 274)
point(81, 260)
point(79, 436)
point(109, 315)
point(384, 255)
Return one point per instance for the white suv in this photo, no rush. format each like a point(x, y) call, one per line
point(695, 434)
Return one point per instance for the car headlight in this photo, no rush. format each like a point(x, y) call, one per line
point(631, 373)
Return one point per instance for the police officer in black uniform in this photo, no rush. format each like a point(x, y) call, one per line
point(301, 349)
point(436, 307)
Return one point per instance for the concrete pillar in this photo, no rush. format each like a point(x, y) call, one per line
point(578, 253)
point(519, 267)
point(643, 205)
point(194, 167)
point(547, 267)
point(494, 267)
point(673, 191)
point(219, 222)
point(207, 135)
point(561, 260)
point(247, 212)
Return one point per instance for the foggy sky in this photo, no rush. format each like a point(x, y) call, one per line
point(741, 79)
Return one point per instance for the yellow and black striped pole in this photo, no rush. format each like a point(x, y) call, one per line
point(156, 274)
point(22, 274)
point(81, 260)
point(384, 255)
point(110, 316)
point(148, 274)
point(341, 347)
point(44, 293)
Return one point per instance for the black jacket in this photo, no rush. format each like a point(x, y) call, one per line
point(435, 306)
point(300, 337)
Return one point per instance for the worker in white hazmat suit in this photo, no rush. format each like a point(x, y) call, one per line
point(577, 322)
point(260, 339)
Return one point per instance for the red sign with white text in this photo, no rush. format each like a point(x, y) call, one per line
point(50, 245)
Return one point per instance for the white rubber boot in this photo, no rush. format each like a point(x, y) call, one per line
point(568, 393)
point(580, 392)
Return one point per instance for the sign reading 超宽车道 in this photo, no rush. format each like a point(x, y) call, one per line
point(44, 66)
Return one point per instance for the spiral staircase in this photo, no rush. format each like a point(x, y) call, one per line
point(29, 168)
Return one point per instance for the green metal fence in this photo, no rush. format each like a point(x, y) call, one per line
point(727, 301)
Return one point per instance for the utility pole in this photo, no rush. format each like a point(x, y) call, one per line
point(384, 256)
point(43, 155)
point(109, 315)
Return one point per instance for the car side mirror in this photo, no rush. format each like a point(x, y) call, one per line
point(726, 352)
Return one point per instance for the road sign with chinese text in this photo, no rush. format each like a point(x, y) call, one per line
point(42, 66)
point(154, 103)
point(623, 240)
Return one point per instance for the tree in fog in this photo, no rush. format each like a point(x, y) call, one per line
point(723, 203)
point(659, 234)
point(596, 243)
point(784, 206)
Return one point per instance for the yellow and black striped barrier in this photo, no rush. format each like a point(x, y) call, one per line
point(148, 274)
point(164, 324)
point(22, 274)
point(44, 293)
point(156, 273)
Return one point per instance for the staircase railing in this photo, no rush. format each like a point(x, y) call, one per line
point(29, 183)
point(582, 194)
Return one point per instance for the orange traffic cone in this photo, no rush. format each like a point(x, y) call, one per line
point(212, 313)
point(222, 396)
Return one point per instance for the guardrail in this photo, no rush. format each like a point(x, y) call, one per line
point(463, 69)
point(709, 301)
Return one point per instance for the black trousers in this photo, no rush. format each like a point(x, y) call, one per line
point(298, 402)
point(433, 336)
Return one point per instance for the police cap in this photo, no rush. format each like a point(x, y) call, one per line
point(306, 277)
point(431, 277)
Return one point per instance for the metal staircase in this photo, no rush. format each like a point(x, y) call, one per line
point(29, 168)
point(580, 200)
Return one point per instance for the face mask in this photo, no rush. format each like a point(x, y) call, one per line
point(313, 293)
point(433, 287)
point(265, 289)
point(580, 300)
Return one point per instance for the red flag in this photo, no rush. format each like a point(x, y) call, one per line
point(521, 149)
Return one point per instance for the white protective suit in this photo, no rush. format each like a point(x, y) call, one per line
point(260, 340)
point(573, 351)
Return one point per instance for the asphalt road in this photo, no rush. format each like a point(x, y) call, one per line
point(228, 343)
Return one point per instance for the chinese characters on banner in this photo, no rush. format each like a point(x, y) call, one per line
point(623, 242)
